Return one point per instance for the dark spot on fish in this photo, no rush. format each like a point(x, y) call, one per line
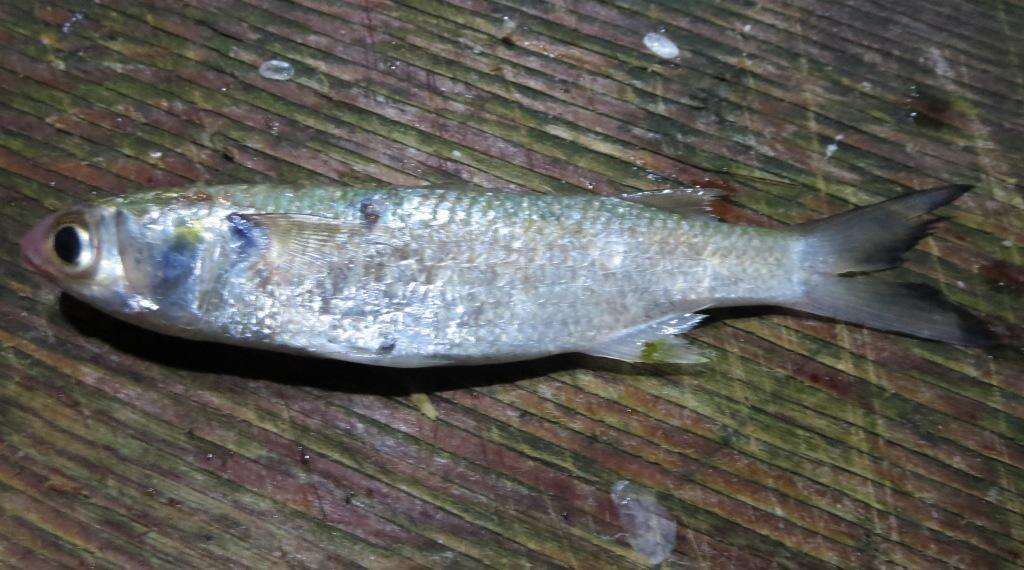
point(371, 211)
point(246, 236)
point(387, 347)
point(240, 227)
point(176, 263)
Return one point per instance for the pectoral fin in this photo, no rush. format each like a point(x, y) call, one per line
point(306, 241)
point(654, 343)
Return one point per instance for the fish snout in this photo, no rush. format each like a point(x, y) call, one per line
point(34, 242)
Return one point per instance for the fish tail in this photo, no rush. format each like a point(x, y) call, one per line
point(872, 238)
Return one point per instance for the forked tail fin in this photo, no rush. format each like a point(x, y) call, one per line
point(869, 239)
point(910, 308)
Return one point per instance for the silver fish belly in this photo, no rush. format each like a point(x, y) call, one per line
point(430, 276)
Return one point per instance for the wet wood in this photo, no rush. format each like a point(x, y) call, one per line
point(804, 443)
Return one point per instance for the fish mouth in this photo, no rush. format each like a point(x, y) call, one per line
point(30, 244)
point(30, 262)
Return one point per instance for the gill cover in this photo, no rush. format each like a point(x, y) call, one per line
point(159, 259)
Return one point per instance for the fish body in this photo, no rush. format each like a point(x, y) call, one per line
point(432, 276)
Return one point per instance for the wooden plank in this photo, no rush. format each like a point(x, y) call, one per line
point(804, 443)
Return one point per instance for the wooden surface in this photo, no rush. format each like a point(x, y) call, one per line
point(803, 444)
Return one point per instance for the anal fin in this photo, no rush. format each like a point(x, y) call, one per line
point(654, 343)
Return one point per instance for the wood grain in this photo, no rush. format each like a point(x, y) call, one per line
point(804, 443)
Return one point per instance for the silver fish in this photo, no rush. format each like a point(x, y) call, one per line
point(413, 277)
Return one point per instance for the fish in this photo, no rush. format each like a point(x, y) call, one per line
point(430, 276)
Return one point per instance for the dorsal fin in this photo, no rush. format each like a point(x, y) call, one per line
point(683, 201)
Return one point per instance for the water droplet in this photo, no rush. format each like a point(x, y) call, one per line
point(650, 527)
point(661, 45)
point(155, 153)
point(69, 24)
point(277, 69)
point(508, 25)
point(456, 154)
point(833, 146)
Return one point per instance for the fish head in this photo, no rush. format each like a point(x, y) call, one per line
point(108, 256)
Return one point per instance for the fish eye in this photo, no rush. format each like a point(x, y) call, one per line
point(71, 245)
